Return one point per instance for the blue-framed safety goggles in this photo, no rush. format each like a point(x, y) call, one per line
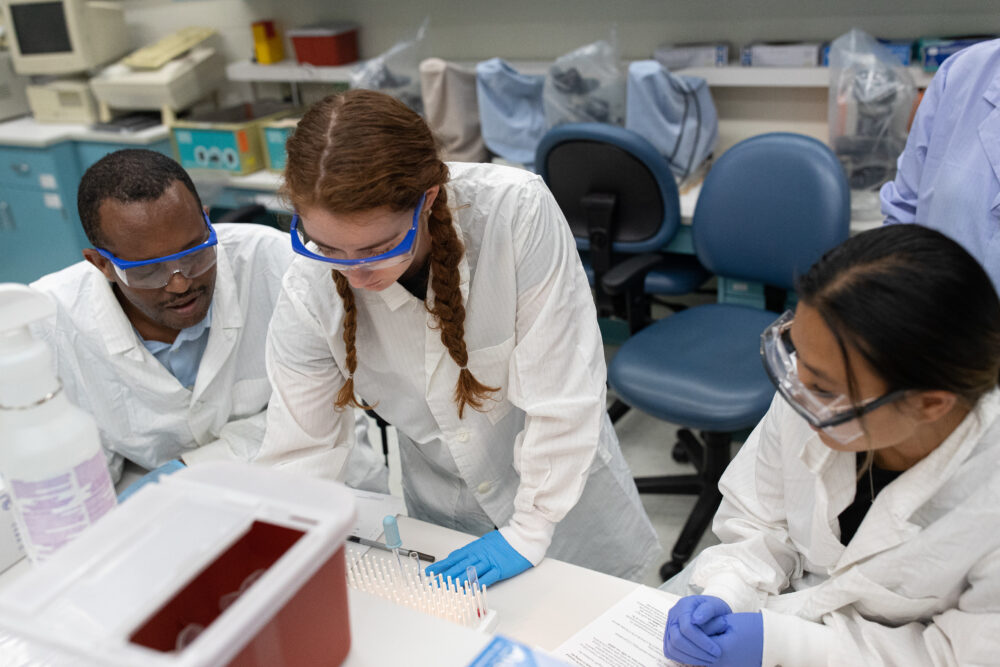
point(397, 255)
point(157, 272)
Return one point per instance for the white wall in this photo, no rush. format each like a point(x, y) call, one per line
point(542, 29)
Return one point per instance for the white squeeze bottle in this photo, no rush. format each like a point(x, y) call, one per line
point(51, 460)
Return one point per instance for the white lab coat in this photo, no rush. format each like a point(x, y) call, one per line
point(142, 411)
point(919, 584)
point(542, 461)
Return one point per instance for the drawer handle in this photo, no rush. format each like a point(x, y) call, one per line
point(6, 219)
point(21, 167)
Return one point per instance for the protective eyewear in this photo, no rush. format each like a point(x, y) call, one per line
point(397, 255)
point(157, 272)
point(835, 414)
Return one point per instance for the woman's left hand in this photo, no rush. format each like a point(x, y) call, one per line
point(491, 555)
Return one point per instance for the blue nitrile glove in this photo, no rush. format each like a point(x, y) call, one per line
point(690, 626)
point(149, 477)
point(491, 555)
point(742, 642)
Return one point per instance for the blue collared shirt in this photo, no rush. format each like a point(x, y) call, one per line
point(949, 173)
point(183, 356)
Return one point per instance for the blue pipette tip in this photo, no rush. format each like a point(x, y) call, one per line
point(391, 528)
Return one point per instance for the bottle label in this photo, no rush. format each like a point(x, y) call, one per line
point(51, 512)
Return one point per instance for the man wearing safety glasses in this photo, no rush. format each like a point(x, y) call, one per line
point(164, 342)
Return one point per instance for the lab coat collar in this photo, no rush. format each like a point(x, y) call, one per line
point(395, 295)
point(887, 523)
point(989, 134)
point(227, 320)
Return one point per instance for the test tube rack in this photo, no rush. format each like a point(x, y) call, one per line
point(404, 583)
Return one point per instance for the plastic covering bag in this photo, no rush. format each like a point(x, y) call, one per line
point(510, 110)
point(870, 102)
point(396, 72)
point(586, 86)
point(673, 112)
point(452, 112)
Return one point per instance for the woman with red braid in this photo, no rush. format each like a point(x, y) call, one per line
point(450, 297)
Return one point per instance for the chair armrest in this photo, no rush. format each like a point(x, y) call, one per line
point(631, 273)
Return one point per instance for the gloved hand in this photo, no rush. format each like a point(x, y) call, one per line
point(690, 626)
point(742, 642)
point(491, 555)
point(150, 477)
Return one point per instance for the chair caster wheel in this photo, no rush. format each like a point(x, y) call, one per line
point(670, 568)
point(679, 454)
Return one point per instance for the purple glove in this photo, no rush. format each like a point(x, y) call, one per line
point(742, 642)
point(690, 626)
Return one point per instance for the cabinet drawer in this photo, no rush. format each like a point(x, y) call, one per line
point(37, 234)
point(29, 167)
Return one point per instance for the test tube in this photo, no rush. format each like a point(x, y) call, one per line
point(392, 539)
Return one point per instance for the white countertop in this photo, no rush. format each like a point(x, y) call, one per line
point(25, 131)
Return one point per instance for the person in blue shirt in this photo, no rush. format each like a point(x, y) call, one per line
point(948, 176)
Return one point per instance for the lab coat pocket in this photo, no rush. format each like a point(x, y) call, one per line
point(491, 366)
point(250, 397)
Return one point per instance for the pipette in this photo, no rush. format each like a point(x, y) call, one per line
point(392, 539)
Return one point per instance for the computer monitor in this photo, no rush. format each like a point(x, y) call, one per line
point(64, 36)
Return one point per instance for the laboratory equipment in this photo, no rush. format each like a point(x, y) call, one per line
point(226, 139)
point(168, 76)
point(410, 553)
point(392, 538)
point(325, 45)
point(217, 564)
point(268, 47)
point(51, 461)
point(159, 53)
point(67, 100)
point(13, 101)
point(465, 604)
point(679, 56)
point(64, 36)
point(763, 54)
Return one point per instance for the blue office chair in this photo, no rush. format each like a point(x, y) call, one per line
point(620, 199)
point(769, 208)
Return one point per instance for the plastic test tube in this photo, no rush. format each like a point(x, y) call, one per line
point(392, 539)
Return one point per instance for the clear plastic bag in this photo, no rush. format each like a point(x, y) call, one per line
point(586, 86)
point(870, 103)
point(397, 71)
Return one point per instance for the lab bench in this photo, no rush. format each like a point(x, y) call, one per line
point(542, 607)
point(40, 169)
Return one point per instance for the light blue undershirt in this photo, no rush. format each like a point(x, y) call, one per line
point(183, 356)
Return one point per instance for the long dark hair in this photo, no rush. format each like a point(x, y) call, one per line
point(917, 307)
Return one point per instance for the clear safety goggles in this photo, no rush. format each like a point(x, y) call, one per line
point(402, 252)
point(836, 415)
point(156, 273)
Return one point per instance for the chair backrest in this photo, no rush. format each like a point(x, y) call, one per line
point(770, 207)
point(451, 110)
point(581, 159)
point(510, 110)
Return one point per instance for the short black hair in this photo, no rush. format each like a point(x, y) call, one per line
point(129, 175)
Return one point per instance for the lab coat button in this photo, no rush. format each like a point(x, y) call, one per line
point(462, 436)
point(484, 487)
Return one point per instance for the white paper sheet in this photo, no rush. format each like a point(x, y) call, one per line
point(372, 508)
point(629, 634)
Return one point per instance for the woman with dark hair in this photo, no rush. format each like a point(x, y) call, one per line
point(451, 299)
point(859, 524)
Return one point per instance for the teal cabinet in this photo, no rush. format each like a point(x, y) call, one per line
point(39, 229)
point(38, 234)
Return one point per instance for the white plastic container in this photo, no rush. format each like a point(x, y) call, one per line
point(51, 459)
point(253, 554)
